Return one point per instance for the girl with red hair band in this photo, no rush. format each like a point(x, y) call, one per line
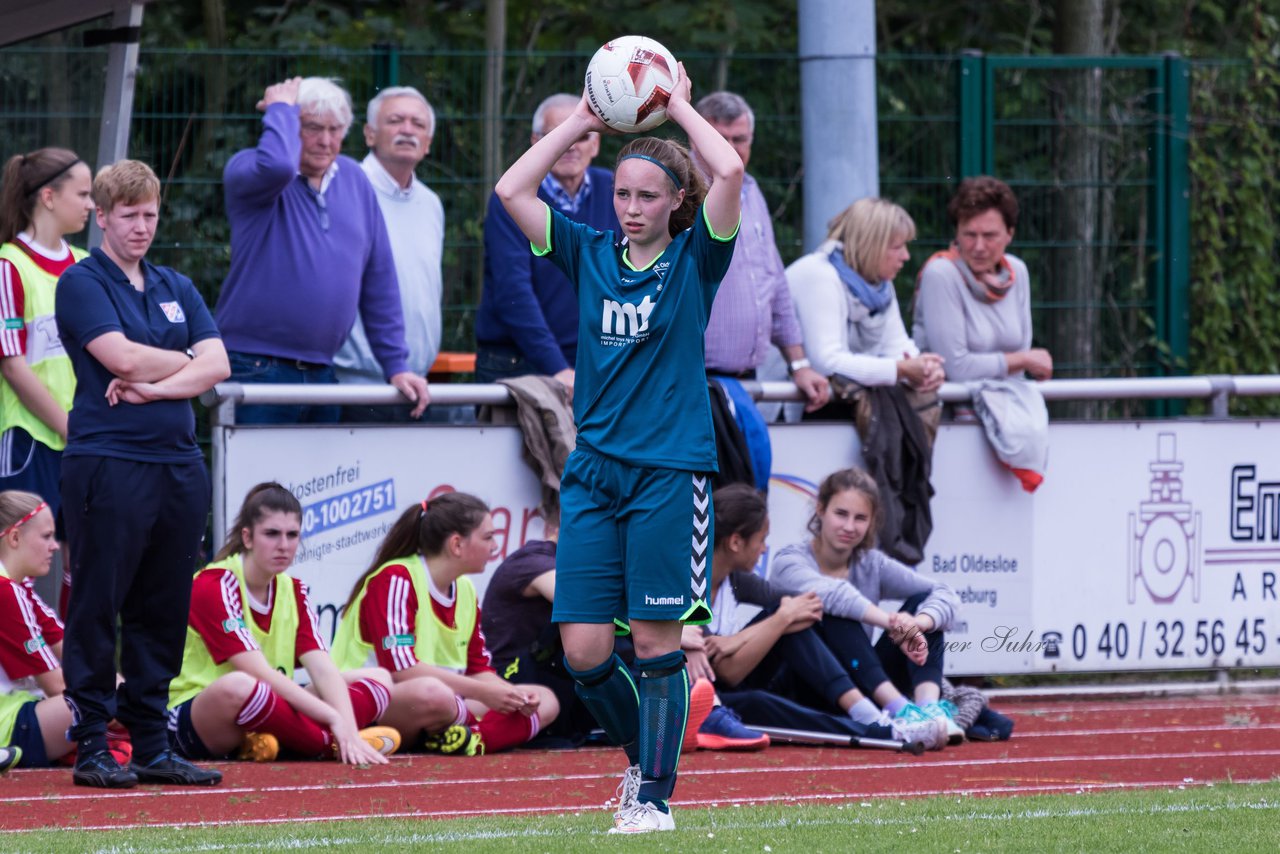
point(32, 729)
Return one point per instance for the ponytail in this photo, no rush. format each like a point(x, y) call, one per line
point(269, 497)
point(25, 175)
point(424, 529)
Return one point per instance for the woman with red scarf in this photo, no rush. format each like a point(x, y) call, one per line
point(973, 304)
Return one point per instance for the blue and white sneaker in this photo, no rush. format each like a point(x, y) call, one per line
point(946, 710)
point(723, 730)
point(913, 724)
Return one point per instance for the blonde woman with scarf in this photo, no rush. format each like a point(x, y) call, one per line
point(845, 300)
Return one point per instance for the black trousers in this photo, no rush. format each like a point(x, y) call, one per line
point(761, 708)
point(885, 661)
point(134, 531)
point(800, 667)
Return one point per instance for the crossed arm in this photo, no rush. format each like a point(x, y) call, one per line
point(144, 373)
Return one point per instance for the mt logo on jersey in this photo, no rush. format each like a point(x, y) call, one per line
point(623, 319)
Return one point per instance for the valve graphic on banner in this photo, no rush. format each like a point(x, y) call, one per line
point(1164, 535)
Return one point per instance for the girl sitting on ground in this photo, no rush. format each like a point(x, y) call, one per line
point(250, 626)
point(33, 729)
point(772, 661)
point(417, 614)
point(843, 567)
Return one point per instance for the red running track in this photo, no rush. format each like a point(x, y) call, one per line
point(1058, 746)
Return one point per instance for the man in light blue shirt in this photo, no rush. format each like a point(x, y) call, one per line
point(401, 124)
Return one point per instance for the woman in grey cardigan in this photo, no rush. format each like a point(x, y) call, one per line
point(851, 577)
point(973, 300)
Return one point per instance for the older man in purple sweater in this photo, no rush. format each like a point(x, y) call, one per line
point(309, 249)
point(753, 306)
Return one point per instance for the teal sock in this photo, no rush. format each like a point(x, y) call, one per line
point(664, 709)
point(896, 705)
point(864, 712)
point(611, 696)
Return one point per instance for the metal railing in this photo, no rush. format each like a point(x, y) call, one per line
point(1217, 389)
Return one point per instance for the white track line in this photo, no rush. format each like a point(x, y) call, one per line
point(705, 802)
point(481, 782)
point(1227, 704)
point(1163, 730)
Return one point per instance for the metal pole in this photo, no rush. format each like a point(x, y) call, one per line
point(495, 44)
point(838, 97)
point(117, 100)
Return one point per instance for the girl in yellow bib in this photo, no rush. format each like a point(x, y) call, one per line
point(415, 613)
point(33, 730)
point(249, 627)
point(47, 196)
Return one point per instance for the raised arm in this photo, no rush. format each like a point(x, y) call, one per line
point(258, 175)
point(724, 198)
point(518, 187)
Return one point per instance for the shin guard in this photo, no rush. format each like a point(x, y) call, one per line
point(609, 693)
point(664, 706)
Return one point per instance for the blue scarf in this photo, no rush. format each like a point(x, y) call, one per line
point(875, 297)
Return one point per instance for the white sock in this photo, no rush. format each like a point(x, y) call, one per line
point(864, 712)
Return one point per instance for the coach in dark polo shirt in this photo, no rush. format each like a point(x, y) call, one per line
point(134, 487)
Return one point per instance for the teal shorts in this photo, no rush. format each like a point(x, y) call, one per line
point(634, 542)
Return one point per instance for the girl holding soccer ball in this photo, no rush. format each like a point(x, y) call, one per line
point(635, 495)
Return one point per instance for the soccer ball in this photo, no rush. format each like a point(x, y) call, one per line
point(629, 81)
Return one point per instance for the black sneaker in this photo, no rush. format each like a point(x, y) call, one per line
point(169, 767)
point(101, 770)
point(9, 758)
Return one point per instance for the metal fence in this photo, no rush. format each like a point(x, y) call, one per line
point(1103, 296)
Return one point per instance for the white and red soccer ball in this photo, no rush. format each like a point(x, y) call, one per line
point(629, 81)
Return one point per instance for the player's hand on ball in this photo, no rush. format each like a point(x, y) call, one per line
point(683, 90)
point(589, 116)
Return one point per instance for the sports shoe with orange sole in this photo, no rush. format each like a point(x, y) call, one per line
point(702, 698)
point(259, 747)
point(724, 730)
point(384, 739)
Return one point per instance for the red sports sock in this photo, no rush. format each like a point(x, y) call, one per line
point(369, 700)
point(264, 711)
point(501, 731)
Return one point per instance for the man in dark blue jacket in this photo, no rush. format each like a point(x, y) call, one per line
point(527, 322)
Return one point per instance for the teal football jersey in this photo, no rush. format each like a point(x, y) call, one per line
point(640, 384)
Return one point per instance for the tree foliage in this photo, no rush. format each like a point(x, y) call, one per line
point(1234, 144)
point(1235, 219)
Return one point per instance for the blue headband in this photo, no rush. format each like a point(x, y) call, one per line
point(659, 164)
